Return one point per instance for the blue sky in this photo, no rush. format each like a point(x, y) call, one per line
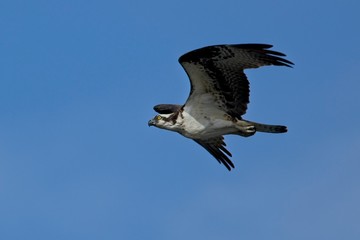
point(78, 80)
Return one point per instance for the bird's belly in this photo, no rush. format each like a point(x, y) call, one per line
point(208, 129)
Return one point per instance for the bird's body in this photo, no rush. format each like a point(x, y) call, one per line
point(219, 96)
point(200, 125)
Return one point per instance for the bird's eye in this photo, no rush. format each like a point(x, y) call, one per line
point(158, 117)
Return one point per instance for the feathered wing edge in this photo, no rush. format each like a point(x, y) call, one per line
point(269, 57)
point(216, 147)
point(167, 108)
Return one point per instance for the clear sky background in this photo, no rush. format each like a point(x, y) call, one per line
point(79, 78)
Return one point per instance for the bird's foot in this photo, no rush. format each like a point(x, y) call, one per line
point(245, 129)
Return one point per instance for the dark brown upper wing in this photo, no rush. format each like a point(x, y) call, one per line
point(219, 70)
point(216, 147)
point(167, 108)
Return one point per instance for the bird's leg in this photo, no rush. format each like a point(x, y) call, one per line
point(245, 128)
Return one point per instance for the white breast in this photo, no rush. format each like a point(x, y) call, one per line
point(198, 124)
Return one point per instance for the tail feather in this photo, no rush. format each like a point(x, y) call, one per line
point(269, 128)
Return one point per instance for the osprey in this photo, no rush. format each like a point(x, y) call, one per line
point(218, 97)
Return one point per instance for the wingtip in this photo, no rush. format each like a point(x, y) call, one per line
point(166, 108)
point(230, 168)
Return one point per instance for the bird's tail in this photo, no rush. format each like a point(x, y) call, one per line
point(260, 127)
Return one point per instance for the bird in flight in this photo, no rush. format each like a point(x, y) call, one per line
point(218, 97)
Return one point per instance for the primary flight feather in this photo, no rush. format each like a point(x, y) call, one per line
point(218, 97)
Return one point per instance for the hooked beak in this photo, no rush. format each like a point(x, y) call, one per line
point(151, 123)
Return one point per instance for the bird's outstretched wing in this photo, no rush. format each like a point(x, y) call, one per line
point(216, 147)
point(219, 71)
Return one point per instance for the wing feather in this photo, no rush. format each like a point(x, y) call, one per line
point(167, 108)
point(216, 147)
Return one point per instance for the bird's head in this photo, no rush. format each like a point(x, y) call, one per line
point(163, 121)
